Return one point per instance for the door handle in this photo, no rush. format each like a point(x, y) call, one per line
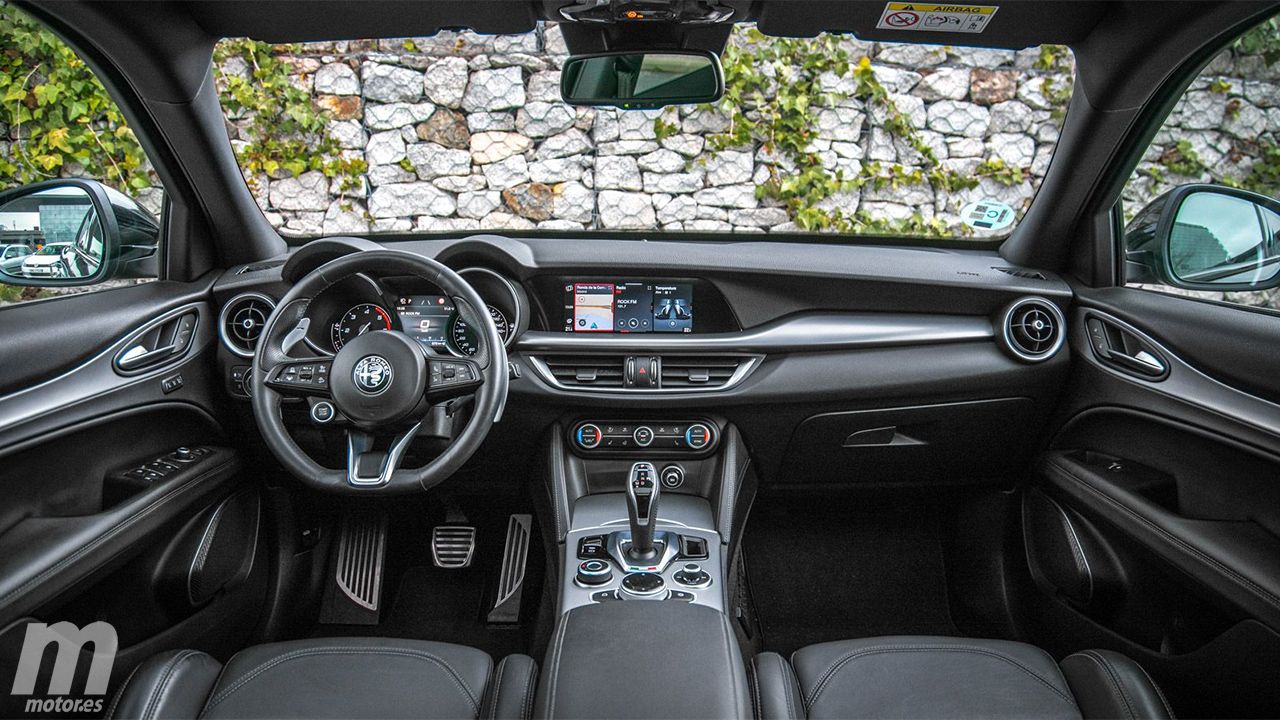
point(139, 356)
point(158, 342)
point(1120, 348)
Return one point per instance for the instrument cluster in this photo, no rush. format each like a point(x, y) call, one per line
point(359, 305)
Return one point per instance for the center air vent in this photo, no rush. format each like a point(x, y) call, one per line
point(1033, 329)
point(699, 371)
point(242, 320)
point(675, 372)
point(586, 371)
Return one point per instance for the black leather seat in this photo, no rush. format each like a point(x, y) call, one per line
point(331, 678)
point(943, 677)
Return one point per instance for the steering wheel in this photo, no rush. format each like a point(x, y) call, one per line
point(380, 384)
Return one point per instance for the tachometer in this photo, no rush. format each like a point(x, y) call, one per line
point(357, 321)
point(464, 338)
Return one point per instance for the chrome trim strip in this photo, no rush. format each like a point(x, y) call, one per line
point(390, 463)
point(222, 320)
point(810, 332)
point(746, 367)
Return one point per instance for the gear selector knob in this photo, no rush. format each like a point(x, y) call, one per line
point(643, 490)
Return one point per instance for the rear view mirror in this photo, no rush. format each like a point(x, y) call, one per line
point(1206, 237)
point(74, 232)
point(636, 80)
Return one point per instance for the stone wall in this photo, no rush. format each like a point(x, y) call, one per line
point(463, 132)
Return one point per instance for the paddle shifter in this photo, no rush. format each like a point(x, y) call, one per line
point(642, 510)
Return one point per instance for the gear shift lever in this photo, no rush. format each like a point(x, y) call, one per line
point(642, 510)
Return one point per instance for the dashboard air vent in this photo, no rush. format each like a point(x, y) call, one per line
point(1019, 272)
point(1033, 329)
point(258, 267)
point(698, 371)
point(242, 321)
point(586, 370)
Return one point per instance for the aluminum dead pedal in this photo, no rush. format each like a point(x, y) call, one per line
point(355, 594)
point(515, 554)
point(453, 546)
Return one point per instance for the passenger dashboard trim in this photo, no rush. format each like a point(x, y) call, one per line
point(809, 332)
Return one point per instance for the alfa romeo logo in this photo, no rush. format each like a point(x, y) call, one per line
point(372, 374)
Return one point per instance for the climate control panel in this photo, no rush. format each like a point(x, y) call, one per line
point(689, 436)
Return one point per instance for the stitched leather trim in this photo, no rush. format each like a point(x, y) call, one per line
point(157, 692)
point(245, 679)
point(1159, 693)
point(783, 671)
point(1257, 590)
point(754, 679)
point(886, 649)
point(115, 702)
point(556, 646)
point(497, 688)
point(526, 706)
point(113, 531)
point(1113, 680)
point(730, 648)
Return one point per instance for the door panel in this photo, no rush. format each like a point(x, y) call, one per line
point(1154, 522)
point(105, 518)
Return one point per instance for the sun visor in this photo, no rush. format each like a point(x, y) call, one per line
point(1012, 25)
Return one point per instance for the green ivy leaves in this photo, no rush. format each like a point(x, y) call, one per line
point(774, 90)
point(60, 119)
point(283, 132)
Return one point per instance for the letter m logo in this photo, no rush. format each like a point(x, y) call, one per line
point(70, 641)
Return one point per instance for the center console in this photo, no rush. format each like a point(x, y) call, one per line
point(641, 546)
point(647, 510)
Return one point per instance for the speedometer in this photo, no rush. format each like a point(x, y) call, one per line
point(466, 340)
point(357, 321)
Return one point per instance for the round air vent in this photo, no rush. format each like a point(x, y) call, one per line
point(242, 321)
point(1033, 329)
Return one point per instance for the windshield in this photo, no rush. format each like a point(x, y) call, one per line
point(52, 249)
point(462, 132)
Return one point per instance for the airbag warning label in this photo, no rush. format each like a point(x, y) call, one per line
point(936, 18)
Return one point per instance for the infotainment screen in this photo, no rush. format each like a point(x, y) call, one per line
point(628, 307)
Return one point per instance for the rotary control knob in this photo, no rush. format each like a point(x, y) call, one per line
point(697, 436)
point(643, 436)
point(692, 575)
point(643, 585)
point(594, 572)
point(588, 436)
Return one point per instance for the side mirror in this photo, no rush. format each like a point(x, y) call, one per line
point(73, 232)
point(1206, 237)
point(642, 80)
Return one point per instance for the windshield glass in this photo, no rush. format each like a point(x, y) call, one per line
point(461, 132)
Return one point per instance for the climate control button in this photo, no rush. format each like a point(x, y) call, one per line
point(588, 436)
point(698, 436)
point(643, 436)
